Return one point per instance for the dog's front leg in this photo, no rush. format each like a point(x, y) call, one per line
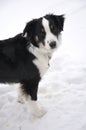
point(36, 109)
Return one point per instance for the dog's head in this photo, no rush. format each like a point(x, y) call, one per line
point(45, 32)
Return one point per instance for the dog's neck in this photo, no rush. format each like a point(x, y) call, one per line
point(37, 51)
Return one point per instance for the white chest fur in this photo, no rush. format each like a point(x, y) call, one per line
point(41, 61)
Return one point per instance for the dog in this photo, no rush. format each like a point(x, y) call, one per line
point(25, 58)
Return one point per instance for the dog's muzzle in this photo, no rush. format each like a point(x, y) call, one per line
point(53, 44)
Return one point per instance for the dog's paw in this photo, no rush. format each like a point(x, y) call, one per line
point(39, 112)
point(21, 100)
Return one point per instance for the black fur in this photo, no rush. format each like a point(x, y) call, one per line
point(33, 29)
point(16, 64)
point(57, 21)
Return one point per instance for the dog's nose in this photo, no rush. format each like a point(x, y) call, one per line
point(53, 44)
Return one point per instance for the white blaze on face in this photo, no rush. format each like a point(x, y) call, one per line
point(50, 37)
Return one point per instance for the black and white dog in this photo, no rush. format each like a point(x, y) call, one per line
point(25, 58)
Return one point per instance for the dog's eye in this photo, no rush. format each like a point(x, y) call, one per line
point(53, 29)
point(42, 33)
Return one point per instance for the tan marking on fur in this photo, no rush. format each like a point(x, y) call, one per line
point(36, 39)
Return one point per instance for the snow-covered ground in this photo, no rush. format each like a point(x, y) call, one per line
point(63, 88)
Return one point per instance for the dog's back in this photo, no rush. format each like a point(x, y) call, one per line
point(15, 60)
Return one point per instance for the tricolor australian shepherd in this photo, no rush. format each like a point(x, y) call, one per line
point(25, 58)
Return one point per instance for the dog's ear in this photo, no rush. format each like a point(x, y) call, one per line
point(30, 29)
point(59, 21)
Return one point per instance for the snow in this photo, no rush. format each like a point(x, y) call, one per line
point(63, 89)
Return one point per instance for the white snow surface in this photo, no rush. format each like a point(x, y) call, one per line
point(63, 89)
